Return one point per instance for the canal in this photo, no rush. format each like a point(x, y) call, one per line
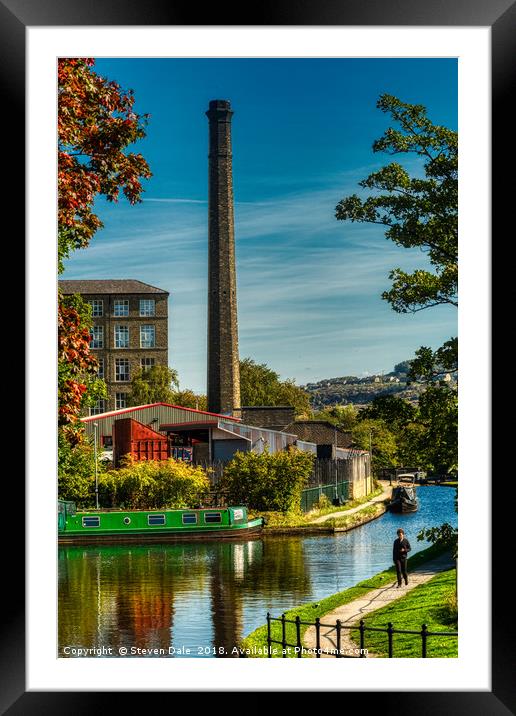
point(192, 600)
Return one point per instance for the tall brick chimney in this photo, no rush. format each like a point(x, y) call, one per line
point(223, 360)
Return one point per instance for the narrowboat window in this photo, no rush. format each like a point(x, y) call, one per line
point(190, 519)
point(210, 517)
point(127, 520)
point(91, 521)
point(238, 514)
point(156, 519)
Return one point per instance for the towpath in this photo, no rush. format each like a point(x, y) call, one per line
point(375, 599)
point(385, 495)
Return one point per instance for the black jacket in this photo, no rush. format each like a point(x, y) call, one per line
point(397, 549)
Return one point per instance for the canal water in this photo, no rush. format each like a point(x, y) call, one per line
point(198, 600)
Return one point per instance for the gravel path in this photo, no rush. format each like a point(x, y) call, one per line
point(375, 599)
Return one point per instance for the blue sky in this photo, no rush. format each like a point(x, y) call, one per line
point(309, 286)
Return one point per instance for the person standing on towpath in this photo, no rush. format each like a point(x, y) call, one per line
point(400, 549)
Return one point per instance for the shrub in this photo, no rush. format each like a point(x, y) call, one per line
point(322, 503)
point(267, 481)
point(450, 609)
point(76, 473)
point(153, 484)
point(77, 488)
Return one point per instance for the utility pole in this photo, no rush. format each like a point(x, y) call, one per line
point(95, 426)
point(371, 453)
point(336, 467)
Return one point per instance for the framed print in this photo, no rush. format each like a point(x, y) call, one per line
point(35, 676)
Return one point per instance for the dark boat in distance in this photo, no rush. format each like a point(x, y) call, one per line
point(144, 526)
point(404, 497)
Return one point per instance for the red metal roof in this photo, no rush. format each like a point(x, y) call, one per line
point(155, 405)
point(205, 424)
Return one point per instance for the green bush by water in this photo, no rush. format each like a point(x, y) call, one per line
point(269, 481)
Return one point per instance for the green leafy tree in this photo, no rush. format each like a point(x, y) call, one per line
point(153, 385)
point(438, 413)
point(412, 445)
point(395, 412)
point(260, 385)
point(416, 212)
point(342, 416)
point(432, 366)
point(268, 481)
point(402, 368)
point(375, 434)
point(76, 471)
point(419, 212)
point(188, 399)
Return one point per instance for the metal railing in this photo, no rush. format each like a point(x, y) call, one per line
point(311, 495)
point(299, 649)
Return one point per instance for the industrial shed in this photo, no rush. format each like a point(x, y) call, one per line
point(195, 435)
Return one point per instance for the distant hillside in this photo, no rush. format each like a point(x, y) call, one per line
point(360, 391)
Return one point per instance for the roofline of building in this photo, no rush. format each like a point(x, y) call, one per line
point(268, 407)
point(136, 280)
point(321, 422)
point(195, 424)
point(112, 413)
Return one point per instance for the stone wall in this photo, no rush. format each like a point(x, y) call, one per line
point(264, 416)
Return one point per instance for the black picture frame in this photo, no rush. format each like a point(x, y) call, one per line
point(15, 16)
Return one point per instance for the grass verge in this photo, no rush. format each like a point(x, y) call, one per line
point(303, 519)
point(255, 644)
point(430, 603)
point(357, 518)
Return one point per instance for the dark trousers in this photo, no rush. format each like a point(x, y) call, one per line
point(401, 569)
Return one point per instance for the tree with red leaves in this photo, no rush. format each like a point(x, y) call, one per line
point(96, 123)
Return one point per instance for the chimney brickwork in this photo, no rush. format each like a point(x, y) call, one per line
point(223, 359)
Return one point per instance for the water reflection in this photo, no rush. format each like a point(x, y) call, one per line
point(205, 597)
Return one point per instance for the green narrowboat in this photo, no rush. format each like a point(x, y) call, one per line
point(136, 526)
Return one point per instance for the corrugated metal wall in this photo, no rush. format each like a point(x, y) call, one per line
point(276, 441)
point(163, 414)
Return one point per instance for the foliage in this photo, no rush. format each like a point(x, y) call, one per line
point(153, 484)
point(189, 399)
point(342, 416)
point(449, 612)
point(394, 411)
point(376, 433)
point(438, 414)
point(402, 368)
point(77, 382)
point(357, 518)
point(445, 535)
point(432, 366)
point(412, 446)
point(76, 471)
point(153, 385)
point(417, 213)
point(268, 481)
point(95, 123)
point(306, 519)
point(260, 385)
point(322, 503)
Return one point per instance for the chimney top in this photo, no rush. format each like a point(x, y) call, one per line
point(220, 104)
